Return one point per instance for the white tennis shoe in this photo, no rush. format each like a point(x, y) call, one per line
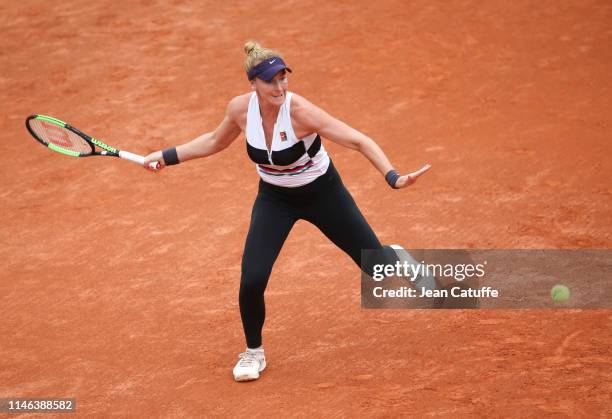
point(250, 364)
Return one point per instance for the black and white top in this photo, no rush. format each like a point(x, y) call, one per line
point(291, 161)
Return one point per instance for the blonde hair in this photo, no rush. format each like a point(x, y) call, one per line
point(256, 54)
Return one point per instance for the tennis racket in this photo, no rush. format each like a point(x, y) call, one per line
point(66, 139)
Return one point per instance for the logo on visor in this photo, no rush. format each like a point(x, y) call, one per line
point(272, 62)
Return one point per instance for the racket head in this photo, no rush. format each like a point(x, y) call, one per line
point(58, 136)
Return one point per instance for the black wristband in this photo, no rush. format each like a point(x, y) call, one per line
point(170, 156)
point(391, 177)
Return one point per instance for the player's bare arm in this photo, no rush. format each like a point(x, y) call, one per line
point(311, 118)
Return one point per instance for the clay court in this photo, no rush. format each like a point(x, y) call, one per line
point(120, 286)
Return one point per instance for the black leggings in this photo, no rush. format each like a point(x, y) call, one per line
point(327, 204)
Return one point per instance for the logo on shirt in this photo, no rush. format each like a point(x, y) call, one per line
point(283, 136)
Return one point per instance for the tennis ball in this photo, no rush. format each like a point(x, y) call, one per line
point(560, 293)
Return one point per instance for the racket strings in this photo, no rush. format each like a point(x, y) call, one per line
point(59, 136)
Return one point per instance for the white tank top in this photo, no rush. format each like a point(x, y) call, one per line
point(292, 161)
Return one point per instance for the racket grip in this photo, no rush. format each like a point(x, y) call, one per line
point(138, 159)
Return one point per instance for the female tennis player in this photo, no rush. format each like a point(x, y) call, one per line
point(297, 181)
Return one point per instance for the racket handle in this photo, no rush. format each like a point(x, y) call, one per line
point(138, 159)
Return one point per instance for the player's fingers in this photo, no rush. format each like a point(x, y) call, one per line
point(154, 168)
point(154, 162)
point(420, 171)
point(410, 178)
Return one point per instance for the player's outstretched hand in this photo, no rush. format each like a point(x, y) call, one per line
point(410, 178)
point(155, 156)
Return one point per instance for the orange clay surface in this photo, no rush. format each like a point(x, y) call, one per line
point(120, 287)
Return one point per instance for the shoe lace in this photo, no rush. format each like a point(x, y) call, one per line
point(247, 359)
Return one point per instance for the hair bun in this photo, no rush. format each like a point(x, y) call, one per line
point(251, 46)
